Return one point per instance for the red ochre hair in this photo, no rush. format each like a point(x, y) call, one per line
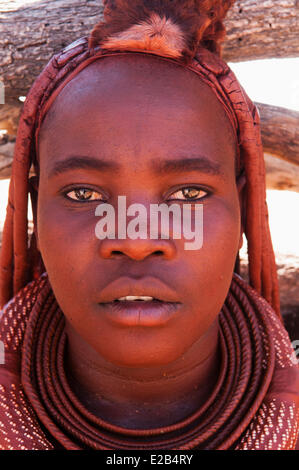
point(190, 32)
point(173, 27)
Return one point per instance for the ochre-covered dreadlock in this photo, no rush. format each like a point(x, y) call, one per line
point(190, 33)
point(181, 26)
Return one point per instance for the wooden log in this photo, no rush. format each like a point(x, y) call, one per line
point(31, 32)
point(9, 117)
point(6, 156)
point(280, 132)
point(262, 29)
point(281, 174)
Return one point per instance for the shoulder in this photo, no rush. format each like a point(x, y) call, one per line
point(19, 426)
point(275, 424)
point(15, 314)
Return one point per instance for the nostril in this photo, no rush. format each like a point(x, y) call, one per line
point(136, 249)
point(117, 252)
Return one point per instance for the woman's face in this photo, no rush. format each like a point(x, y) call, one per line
point(147, 129)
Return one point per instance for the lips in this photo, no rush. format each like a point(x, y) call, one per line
point(143, 302)
point(145, 287)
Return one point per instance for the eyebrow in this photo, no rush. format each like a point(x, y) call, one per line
point(202, 164)
point(75, 162)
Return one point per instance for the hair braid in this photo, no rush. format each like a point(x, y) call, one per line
point(200, 21)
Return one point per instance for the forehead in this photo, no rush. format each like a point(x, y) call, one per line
point(137, 101)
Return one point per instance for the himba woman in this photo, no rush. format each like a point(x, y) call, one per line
point(143, 107)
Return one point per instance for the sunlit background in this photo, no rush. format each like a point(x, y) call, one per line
point(270, 81)
point(276, 82)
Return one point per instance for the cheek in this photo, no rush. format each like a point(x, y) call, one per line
point(210, 268)
point(221, 233)
point(68, 247)
point(67, 243)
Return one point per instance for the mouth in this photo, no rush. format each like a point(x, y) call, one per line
point(154, 304)
point(136, 298)
point(141, 299)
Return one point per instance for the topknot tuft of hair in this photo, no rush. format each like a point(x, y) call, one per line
point(173, 28)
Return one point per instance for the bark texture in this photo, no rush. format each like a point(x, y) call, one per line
point(9, 117)
point(282, 175)
point(261, 29)
point(280, 132)
point(31, 31)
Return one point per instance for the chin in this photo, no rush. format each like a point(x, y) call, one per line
point(142, 356)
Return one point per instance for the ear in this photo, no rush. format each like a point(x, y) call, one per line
point(241, 186)
point(33, 189)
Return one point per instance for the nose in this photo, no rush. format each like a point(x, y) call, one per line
point(137, 249)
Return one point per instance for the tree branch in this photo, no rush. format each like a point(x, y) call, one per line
point(280, 132)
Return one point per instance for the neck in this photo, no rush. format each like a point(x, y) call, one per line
point(143, 397)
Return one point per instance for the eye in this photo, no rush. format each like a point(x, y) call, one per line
point(84, 194)
point(189, 194)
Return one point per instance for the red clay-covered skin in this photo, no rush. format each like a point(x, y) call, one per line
point(135, 114)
